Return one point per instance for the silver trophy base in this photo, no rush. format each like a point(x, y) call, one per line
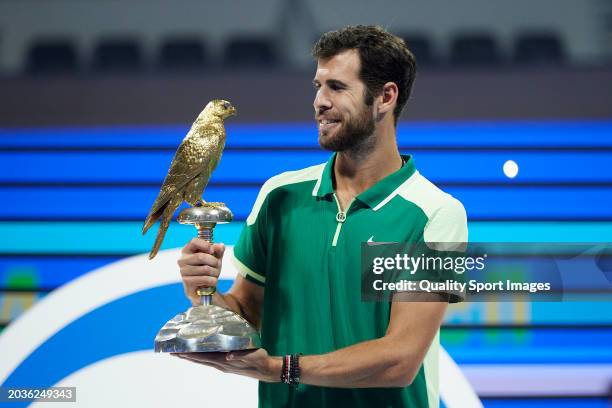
point(206, 328)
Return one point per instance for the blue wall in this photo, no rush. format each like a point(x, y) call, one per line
point(73, 199)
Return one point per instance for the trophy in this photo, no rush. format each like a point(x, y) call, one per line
point(206, 327)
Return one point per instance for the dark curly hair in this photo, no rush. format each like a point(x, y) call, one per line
point(384, 58)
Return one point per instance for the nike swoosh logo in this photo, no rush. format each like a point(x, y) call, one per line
point(371, 242)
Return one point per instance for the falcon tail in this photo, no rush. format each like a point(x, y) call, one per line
point(151, 218)
point(166, 213)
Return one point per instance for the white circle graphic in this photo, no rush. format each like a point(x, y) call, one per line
point(511, 169)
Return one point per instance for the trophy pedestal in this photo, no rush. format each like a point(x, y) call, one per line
point(207, 327)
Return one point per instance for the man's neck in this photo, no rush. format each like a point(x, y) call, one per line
point(355, 173)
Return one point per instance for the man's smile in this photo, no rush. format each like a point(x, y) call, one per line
point(328, 124)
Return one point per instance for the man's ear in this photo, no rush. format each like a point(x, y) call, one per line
point(388, 98)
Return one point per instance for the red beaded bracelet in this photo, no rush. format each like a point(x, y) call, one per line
point(290, 374)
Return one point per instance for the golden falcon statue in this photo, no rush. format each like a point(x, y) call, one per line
point(194, 161)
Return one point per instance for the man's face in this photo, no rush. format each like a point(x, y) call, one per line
point(343, 118)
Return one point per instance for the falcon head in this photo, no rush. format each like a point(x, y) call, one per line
point(220, 108)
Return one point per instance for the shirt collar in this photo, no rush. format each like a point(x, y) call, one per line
point(375, 194)
point(325, 185)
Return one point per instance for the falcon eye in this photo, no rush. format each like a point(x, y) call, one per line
point(226, 105)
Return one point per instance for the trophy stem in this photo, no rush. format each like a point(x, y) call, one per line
point(206, 300)
point(205, 232)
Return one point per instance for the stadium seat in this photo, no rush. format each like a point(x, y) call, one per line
point(183, 53)
point(421, 47)
point(117, 55)
point(250, 52)
point(538, 48)
point(52, 57)
point(478, 49)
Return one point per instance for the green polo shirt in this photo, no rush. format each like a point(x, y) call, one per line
point(306, 252)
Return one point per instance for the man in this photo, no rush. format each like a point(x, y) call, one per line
point(299, 252)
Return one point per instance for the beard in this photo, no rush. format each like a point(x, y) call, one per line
point(351, 134)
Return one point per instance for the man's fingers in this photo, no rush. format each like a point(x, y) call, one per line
point(200, 270)
point(197, 245)
point(221, 359)
point(194, 282)
point(204, 362)
point(218, 358)
point(217, 361)
point(200, 266)
point(239, 354)
point(219, 250)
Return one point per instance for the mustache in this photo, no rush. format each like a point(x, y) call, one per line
point(326, 117)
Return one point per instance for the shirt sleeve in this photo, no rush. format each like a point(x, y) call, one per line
point(250, 250)
point(447, 232)
point(448, 225)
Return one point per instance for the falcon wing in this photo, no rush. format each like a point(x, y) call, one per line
point(186, 165)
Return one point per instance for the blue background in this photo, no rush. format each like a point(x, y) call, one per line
point(73, 199)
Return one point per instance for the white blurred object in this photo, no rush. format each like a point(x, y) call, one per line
point(511, 169)
point(455, 388)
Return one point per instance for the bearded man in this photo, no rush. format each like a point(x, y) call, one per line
point(299, 252)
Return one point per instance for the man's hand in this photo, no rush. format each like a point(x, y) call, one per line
point(251, 363)
point(200, 265)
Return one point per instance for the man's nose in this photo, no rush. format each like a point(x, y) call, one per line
point(321, 102)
